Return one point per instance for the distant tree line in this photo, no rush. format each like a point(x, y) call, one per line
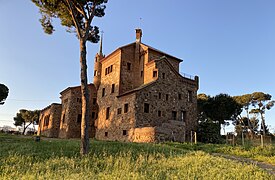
point(244, 111)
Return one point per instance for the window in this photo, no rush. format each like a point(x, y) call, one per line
point(167, 97)
point(119, 110)
point(107, 112)
point(106, 134)
point(94, 101)
point(189, 96)
point(141, 73)
point(93, 115)
point(78, 100)
point(174, 115)
point(124, 132)
point(125, 108)
point(129, 66)
point(163, 75)
point(183, 116)
point(159, 113)
point(146, 107)
point(159, 95)
point(79, 116)
point(103, 92)
point(179, 96)
point(108, 69)
point(155, 73)
point(113, 88)
point(95, 73)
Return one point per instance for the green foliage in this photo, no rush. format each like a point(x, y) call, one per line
point(4, 91)
point(212, 112)
point(74, 14)
point(60, 159)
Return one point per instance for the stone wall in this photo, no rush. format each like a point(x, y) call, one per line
point(70, 126)
point(168, 95)
point(49, 121)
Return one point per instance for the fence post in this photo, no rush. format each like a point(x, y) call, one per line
point(191, 137)
point(262, 141)
point(195, 136)
point(242, 139)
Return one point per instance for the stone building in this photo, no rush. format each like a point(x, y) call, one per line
point(142, 97)
point(49, 120)
point(137, 95)
point(70, 119)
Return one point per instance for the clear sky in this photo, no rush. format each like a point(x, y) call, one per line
point(229, 44)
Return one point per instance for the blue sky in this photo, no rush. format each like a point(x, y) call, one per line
point(230, 45)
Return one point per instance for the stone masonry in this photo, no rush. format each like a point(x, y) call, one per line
point(138, 95)
point(50, 121)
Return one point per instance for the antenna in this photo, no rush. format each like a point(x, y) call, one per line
point(140, 22)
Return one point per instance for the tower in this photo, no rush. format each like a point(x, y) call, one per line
point(97, 65)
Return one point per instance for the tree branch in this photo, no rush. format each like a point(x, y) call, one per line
point(81, 11)
point(91, 13)
point(77, 26)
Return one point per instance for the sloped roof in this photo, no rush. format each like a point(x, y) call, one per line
point(74, 87)
point(149, 47)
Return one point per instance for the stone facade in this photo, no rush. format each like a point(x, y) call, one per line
point(70, 119)
point(143, 98)
point(137, 95)
point(50, 120)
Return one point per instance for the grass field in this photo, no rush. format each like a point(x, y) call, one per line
point(22, 158)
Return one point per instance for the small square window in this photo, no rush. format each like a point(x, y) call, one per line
point(167, 97)
point(95, 73)
point(124, 132)
point(155, 73)
point(79, 116)
point(107, 112)
point(174, 115)
point(179, 96)
point(106, 71)
point(159, 95)
point(189, 96)
point(129, 66)
point(146, 107)
point(183, 116)
point(126, 108)
point(111, 68)
point(163, 75)
point(119, 110)
point(141, 73)
point(159, 113)
point(113, 88)
point(103, 92)
point(106, 134)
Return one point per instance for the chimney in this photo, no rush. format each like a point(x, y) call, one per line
point(138, 35)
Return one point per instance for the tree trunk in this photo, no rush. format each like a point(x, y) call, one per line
point(84, 147)
point(263, 123)
point(25, 127)
point(24, 124)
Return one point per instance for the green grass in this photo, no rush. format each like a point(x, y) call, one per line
point(264, 154)
point(22, 158)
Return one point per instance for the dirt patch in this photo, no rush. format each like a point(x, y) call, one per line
point(265, 166)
